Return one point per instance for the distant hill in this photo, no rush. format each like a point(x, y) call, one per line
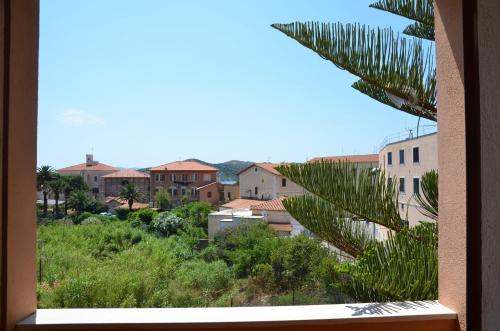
point(227, 170)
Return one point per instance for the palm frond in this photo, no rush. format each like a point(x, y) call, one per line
point(420, 30)
point(401, 67)
point(428, 200)
point(357, 191)
point(329, 223)
point(381, 96)
point(404, 267)
point(418, 10)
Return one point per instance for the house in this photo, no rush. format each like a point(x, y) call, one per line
point(262, 181)
point(186, 179)
point(406, 161)
point(241, 211)
point(361, 160)
point(115, 181)
point(92, 172)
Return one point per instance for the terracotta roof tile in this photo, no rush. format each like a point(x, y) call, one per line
point(271, 205)
point(241, 204)
point(366, 158)
point(184, 166)
point(271, 167)
point(83, 166)
point(129, 173)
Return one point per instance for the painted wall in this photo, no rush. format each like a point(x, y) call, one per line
point(269, 185)
point(112, 186)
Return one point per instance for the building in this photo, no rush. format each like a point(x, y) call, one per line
point(362, 160)
point(262, 181)
point(241, 211)
point(406, 161)
point(186, 179)
point(115, 181)
point(92, 172)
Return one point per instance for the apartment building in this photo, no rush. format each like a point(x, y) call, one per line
point(92, 172)
point(115, 181)
point(262, 181)
point(189, 179)
point(406, 161)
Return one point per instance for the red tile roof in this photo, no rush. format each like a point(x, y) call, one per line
point(124, 204)
point(129, 173)
point(184, 166)
point(366, 158)
point(95, 167)
point(266, 166)
point(241, 204)
point(271, 205)
point(281, 227)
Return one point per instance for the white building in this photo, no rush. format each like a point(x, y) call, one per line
point(262, 181)
point(406, 161)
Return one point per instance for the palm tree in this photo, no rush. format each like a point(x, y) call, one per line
point(57, 186)
point(130, 193)
point(79, 201)
point(399, 72)
point(72, 183)
point(44, 174)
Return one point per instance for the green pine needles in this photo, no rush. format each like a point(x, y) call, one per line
point(344, 201)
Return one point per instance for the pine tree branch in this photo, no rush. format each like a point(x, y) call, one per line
point(418, 10)
point(420, 30)
point(398, 66)
point(428, 200)
point(381, 96)
point(329, 223)
point(357, 191)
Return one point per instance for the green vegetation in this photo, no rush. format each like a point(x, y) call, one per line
point(163, 199)
point(153, 260)
point(131, 193)
point(399, 72)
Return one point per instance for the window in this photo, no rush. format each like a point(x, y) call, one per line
point(416, 154)
point(389, 181)
point(95, 190)
point(175, 192)
point(401, 156)
point(124, 182)
point(183, 191)
point(195, 177)
point(207, 177)
point(184, 178)
point(283, 182)
point(256, 169)
point(193, 191)
point(256, 190)
point(389, 158)
point(172, 177)
point(209, 194)
point(95, 179)
point(402, 185)
point(229, 195)
point(416, 185)
point(160, 177)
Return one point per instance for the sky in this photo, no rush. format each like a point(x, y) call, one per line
point(143, 83)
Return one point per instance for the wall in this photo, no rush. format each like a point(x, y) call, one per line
point(231, 191)
point(113, 185)
point(88, 178)
point(212, 190)
point(167, 184)
point(428, 160)
point(452, 165)
point(268, 184)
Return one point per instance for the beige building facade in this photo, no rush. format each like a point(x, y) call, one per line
point(92, 172)
point(262, 181)
point(405, 162)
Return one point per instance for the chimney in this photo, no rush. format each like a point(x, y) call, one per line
point(90, 160)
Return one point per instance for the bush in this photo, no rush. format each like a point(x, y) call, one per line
point(196, 213)
point(122, 213)
point(91, 220)
point(83, 216)
point(166, 224)
point(144, 215)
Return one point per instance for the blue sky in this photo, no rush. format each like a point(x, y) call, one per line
point(141, 83)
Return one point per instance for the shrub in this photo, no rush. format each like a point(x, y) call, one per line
point(166, 224)
point(122, 213)
point(144, 215)
point(196, 213)
point(83, 216)
point(91, 220)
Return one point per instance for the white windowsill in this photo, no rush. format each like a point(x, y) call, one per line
point(283, 315)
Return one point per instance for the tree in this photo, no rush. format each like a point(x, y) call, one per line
point(44, 175)
point(72, 183)
point(400, 73)
point(57, 186)
point(79, 201)
point(163, 199)
point(130, 193)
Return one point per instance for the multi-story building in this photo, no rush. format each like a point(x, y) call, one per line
point(262, 181)
point(185, 179)
point(406, 161)
point(115, 181)
point(92, 172)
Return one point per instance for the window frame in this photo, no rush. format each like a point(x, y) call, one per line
point(413, 154)
point(418, 184)
point(402, 180)
point(389, 158)
point(401, 152)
